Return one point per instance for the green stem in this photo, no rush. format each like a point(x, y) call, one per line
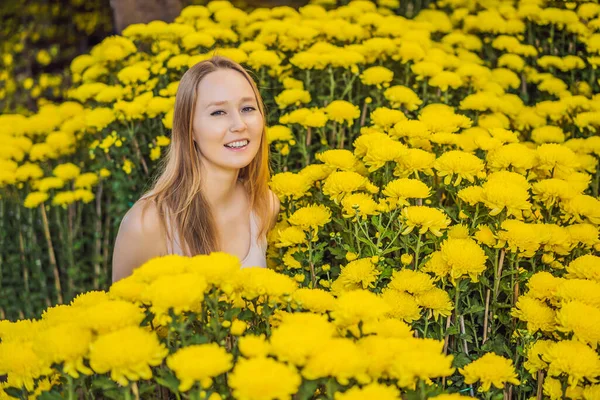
point(417, 252)
point(313, 277)
point(71, 389)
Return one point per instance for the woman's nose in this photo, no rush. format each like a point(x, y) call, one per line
point(237, 122)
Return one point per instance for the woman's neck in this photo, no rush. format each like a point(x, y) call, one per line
point(221, 188)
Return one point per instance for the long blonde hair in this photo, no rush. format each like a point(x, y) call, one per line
point(177, 191)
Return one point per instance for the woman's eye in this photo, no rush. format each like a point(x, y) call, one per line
point(250, 107)
point(215, 112)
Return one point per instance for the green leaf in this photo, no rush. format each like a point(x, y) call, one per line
point(13, 392)
point(452, 330)
point(53, 395)
point(475, 308)
point(168, 380)
point(461, 359)
point(390, 250)
point(103, 383)
point(307, 390)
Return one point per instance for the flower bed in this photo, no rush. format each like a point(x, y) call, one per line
point(439, 228)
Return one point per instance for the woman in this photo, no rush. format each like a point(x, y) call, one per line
point(212, 194)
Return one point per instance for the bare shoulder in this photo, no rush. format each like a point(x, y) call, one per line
point(139, 239)
point(275, 207)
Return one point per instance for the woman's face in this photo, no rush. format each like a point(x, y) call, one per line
point(227, 124)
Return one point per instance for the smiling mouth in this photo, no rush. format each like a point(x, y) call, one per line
point(240, 144)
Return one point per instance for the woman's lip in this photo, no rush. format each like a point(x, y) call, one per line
point(237, 148)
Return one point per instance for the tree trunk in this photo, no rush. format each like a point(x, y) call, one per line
point(127, 12)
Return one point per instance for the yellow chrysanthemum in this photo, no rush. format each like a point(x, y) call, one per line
point(426, 219)
point(127, 354)
point(490, 369)
point(199, 363)
point(276, 380)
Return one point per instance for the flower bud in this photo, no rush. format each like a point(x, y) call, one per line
point(238, 327)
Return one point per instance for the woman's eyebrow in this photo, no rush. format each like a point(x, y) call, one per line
point(218, 103)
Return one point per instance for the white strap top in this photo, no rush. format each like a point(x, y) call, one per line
point(256, 256)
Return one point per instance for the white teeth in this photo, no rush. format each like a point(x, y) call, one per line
point(239, 143)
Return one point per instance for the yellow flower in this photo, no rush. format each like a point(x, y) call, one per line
point(253, 283)
point(260, 58)
point(199, 363)
point(381, 149)
point(581, 319)
point(377, 76)
point(316, 172)
point(19, 360)
point(426, 219)
point(414, 161)
point(359, 203)
point(291, 236)
point(401, 96)
point(132, 74)
point(66, 343)
point(197, 39)
point(358, 305)
point(406, 259)
point(574, 359)
point(127, 166)
point(446, 79)
point(34, 199)
point(512, 156)
point(464, 257)
point(401, 305)
point(579, 289)
point(548, 134)
point(502, 192)
point(339, 158)
point(533, 362)
point(556, 158)
point(411, 129)
point(299, 336)
point(436, 300)
point(342, 111)
point(388, 328)
point(536, 313)
point(315, 300)
point(292, 97)
point(276, 380)
point(66, 171)
point(386, 117)
point(181, 292)
point(416, 359)
point(585, 267)
point(290, 185)
point(340, 358)
point(543, 285)
point(253, 346)
point(314, 216)
point(340, 183)
point(463, 165)
point(402, 189)
point(279, 133)
point(582, 208)
point(238, 327)
point(485, 235)
point(410, 281)
point(357, 274)
point(127, 354)
point(490, 369)
point(520, 237)
point(371, 391)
